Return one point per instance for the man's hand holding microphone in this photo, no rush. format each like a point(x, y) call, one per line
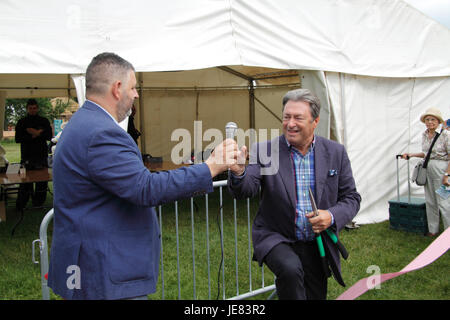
point(223, 157)
point(227, 154)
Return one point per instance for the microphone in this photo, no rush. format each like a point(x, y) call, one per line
point(230, 130)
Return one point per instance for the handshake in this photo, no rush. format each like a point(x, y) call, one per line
point(227, 156)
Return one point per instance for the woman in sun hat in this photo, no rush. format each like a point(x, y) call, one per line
point(437, 171)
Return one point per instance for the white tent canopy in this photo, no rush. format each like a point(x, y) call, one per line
point(375, 64)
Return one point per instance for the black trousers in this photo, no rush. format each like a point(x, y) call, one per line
point(298, 271)
point(38, 194)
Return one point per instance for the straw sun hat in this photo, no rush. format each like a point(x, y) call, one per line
point(432, 112)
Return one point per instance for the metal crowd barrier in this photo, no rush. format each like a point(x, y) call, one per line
point(239, 292)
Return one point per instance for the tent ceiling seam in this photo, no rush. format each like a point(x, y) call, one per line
point(291, 85)
point(236, 73)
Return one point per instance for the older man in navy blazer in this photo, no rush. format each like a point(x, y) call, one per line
point(283, 170)
point(106, 235)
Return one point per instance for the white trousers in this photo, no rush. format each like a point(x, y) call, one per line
point(434, 202)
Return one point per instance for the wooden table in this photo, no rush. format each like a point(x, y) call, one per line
point(163, 166)
point(38, 175)
point(45, 174)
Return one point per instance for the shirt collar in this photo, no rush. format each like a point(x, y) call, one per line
point(311, 147)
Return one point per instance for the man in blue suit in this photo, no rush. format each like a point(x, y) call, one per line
point(283, 170)
point(106, 235)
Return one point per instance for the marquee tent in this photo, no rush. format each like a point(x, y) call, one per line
point(376, 65)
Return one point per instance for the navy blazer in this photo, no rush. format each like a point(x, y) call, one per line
point(275, 220)
point(105, 224)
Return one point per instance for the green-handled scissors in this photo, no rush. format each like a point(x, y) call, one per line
point(319, 241)
point(332, 236)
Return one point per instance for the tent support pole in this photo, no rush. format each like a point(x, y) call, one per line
point(344, 131)
point(251, 92)
point(2, 111)
point(197, 96)
point(68, 87)
point(141, 113)
point(236, 73)
point(251, 102)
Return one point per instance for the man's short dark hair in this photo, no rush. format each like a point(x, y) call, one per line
point(32, 102)
point(104, 69)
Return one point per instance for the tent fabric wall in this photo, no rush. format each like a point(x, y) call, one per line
point(202, 78)
point(168, 111)
point(270, 98)
point(80, 85)
point(2, 110)
point(315, 81)
point(379, 62)
point(30, 85)
point(381, 121)
point(364, 37)
point(356, 37)
point(214, 96)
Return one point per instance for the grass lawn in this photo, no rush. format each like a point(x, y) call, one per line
point(12, 150)
point(368, 245)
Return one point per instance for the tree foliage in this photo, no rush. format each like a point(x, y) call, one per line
point(16, 109)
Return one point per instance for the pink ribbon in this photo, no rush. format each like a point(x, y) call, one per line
point(437, 248)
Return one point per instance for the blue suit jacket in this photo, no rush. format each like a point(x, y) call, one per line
point(105, 223)
point(275, 220)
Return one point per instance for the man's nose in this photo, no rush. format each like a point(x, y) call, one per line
point(291, 123)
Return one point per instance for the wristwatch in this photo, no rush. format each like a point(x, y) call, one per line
point(446, 174)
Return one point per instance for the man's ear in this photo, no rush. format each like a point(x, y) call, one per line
point(316, 121)
point(116, 89)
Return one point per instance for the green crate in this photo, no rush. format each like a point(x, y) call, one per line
point(408, 215)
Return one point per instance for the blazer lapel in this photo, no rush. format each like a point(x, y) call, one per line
point(286, 170)
point(321, 166)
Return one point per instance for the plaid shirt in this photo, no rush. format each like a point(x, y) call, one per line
point(304, 179)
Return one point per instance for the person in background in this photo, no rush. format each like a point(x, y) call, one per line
point(284, 228)
point(438, 169)
point(3, 161)
point(33, 132)
point(106, 236)
point(134, 133)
